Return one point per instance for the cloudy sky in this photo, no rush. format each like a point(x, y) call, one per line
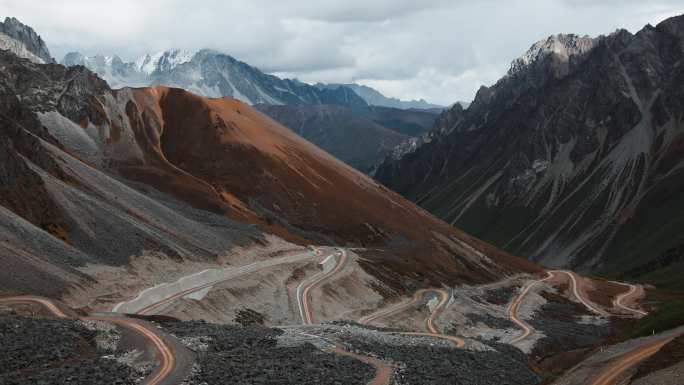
point(440, 50)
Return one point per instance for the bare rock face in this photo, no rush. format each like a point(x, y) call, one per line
point(27, 43)
point(574, 158)
point(561, 49)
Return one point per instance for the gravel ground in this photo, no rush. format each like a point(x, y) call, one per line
point(433, 365)
point(430, 361)
point(502, 295)
point(489, 321)
point(565, 331)
point(249, 317)
point(56, 351)
point(38, 342)
point(674, 375)
point(252, 355)
point(85, 372)
point(349, 323)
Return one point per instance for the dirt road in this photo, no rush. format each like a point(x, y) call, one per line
point(386, 312)
point(625, 297)
point(153, 300)
point(383, 372)
point(611, 373)
point(431, 330)
point(513, 309)
point(166, 373)
point(44, 302)
point(577, 291)
point(305, 287)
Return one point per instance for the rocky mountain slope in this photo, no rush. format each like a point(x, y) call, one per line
point(327, 111)
point(332, 117)
point(116, 176)
point(23, 41)
point(360, 137)
point(574, 158)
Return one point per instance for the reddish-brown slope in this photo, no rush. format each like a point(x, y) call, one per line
point(156, 169)
point(222, 155)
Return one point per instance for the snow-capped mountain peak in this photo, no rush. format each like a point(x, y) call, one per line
point(213, 74)
point(163, 60)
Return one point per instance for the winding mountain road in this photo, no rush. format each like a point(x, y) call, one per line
point(383, 372)
point(432, 331)
point(513, 309)
point(44, 302)
point(620, 300)
point(305, 287)
point(164, 351)
point(576, 290)
point(152, 300)
point(166, 373)
point(611, 373)
point(386, 312)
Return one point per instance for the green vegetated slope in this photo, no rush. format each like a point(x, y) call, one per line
point(669, 316)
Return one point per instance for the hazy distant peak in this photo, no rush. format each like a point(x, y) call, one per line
point(163, 60)
point(375, 98)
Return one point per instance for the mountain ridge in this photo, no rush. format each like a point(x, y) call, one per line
point(23, 41)
point(165, 170)
point(209, 73)
point(184, 69)
point(374, 98)
point(530, 167)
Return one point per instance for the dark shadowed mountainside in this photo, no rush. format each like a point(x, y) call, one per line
point(360, 137)
point(574, 158)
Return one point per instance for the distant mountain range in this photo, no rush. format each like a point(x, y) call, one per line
point(214, 74)
point(336, 117)
point(374, 98)
point(573, 158)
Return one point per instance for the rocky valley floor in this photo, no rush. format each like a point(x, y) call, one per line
point(473, 335)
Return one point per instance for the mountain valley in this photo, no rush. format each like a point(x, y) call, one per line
point(188, 219)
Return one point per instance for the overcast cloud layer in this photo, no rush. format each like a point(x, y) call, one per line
point(440, 50)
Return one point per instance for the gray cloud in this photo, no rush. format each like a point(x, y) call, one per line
point(440, 50)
